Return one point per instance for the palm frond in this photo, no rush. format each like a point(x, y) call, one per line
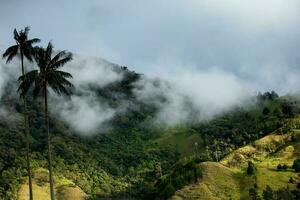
point(33, 41)
point(63, 74)
point(59, 77)
point(48, 51)
point(61, 89)
point(16, 36)
point(38, 53)
point(59, 63)
point(57, 80)
point(57, 57)
point(10, 53)
point(28, 53)
point(26, 30)
point(27, 81)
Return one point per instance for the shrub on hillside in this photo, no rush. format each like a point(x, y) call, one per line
point(251, 168)
point(284, 167)
point(281, 167)
point(296, 165)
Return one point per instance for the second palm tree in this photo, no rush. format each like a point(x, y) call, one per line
point(48, 76)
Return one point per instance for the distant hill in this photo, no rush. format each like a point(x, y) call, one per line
point(228, 178)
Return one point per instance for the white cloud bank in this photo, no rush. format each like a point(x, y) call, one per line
point(181, 95)
point(192, 96)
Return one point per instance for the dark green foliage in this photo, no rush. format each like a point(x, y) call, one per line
point(279, 167)
point(251, 168)
point(266, 111)
point(241, 126)
point(253, 193)
point(12, 169)
point(268, 193)
point(183, 173)
point(280, 194)
point(296, 165)
point(290, 107)
point(284, 194)
point(267, 96)
point(284, 167)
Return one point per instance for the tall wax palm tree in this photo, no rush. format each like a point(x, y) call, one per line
point(48, 75)
point(23, 48)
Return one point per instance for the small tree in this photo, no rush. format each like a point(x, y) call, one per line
point(296, 165)
point(251, 168)
point(279, 167)
point(284, 167)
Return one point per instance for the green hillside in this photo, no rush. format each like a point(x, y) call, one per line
point(228, 179)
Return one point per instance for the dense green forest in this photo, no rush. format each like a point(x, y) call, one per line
point(134, 158)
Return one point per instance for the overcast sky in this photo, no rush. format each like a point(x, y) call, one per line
point(258, 41)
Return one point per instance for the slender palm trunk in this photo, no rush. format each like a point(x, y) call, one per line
point(26, 125)
point(49, 144)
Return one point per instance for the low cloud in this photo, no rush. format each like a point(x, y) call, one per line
point(191, 96)
point(95, 71)
point(85, 114)
point(85, 111)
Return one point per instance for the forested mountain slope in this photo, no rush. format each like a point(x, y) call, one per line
point(132, 157)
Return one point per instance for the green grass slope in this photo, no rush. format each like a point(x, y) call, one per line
point(218, 182)
point(65, 189)
point(228, 178)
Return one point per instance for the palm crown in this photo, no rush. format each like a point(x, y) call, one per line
point(48, 74)
point(23, 45)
